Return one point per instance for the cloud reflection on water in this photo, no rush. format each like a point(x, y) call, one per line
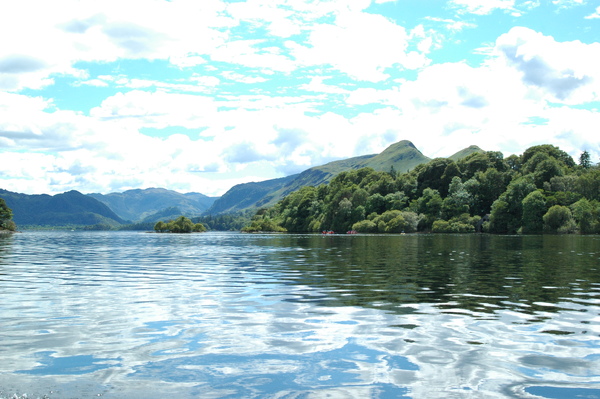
point(223, 324)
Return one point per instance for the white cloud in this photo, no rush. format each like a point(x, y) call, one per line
point(236, 133)
point(568, 3)
point(188, 34)
point(451, 106)
point(59, 34)
point(317, 84)
point(483, 7)
point(566, 72)
point(240, 78)
point(594, 15)
point(452, 24)
point(252, 54)
point(361, 45)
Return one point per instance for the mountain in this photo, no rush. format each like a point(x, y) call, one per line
point(248, 195)
point(153, 204)
point(70, 208)
point(465, 153)
point(403, 156)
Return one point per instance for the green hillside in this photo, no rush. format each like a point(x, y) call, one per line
point(150, 204)
point(66, 209)
point(247, 195)
point(466, 152)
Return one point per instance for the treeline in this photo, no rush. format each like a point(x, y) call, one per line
point(542, 190)
point(226, 222)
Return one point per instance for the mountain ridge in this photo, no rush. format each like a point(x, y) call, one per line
point(403, 156)
point(149, 204)
point(68, 208)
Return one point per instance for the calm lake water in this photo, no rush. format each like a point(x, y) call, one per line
point(227, 315)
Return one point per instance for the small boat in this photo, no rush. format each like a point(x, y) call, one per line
point(327, 232)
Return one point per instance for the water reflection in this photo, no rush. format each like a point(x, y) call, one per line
point(229, 315)
point(479, 274)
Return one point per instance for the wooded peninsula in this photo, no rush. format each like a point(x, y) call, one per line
point(541, 191)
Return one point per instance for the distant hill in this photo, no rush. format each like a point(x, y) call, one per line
point(70, 208)
point(465, 153)
point(247, 195)
point(153, 204)
point(402, 156)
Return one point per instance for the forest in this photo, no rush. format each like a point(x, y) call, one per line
point(541, 191)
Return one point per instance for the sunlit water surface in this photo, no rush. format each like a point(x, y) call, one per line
point(226, 315)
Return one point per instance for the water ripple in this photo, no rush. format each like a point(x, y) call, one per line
point(230, 315)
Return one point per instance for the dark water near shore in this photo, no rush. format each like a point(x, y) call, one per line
point(227, 315)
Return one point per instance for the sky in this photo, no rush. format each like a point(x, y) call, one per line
point(201, 95)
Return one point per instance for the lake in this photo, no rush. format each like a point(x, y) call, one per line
point(229, 315)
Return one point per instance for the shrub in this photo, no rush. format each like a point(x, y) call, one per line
point(559, 219)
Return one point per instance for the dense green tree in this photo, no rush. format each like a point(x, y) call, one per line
point(452, 170)
point(436, 175)
point(228, 222)
point(6, 222)
point(199, 228)
point(365, 226)
point(458, 200)
point(586, 215)
point(534, 208)
point(480, 162)
point(585, 160)
point(392, 221)
point(507, 210)
point(559, 219)
point(380, 182)
point(485, 188)
point(407, 183)
point(476, 162)
point(546, 170)
point(566, 183)
point(376, 203)
point(160, 227)
point(263, 224)
point(459, 224)
point(513, 162)
point(588, 184)
point(549, 150)
point(429, 205)
point(181, 225)
point(360, 197)
point(397, 201)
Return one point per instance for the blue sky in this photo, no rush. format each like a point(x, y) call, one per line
point(200, 95)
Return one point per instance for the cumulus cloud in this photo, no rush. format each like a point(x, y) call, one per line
point(594, 15)
point(58, 35)
point(261, 89)
point(567, 71)
point(361, 45)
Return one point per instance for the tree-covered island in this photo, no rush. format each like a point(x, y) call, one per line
point(541, 191)
point(179, 225)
